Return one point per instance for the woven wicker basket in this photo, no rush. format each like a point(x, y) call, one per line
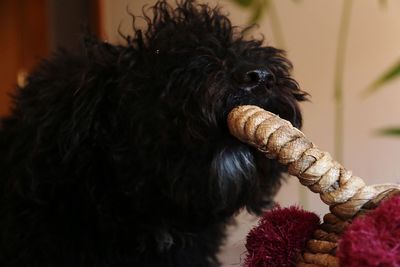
point(347, 195)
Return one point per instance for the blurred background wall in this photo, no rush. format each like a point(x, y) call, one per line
point(309, 33)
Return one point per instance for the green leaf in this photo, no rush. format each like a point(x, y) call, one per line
point(394, 131)
point(388, 76)
point(243, 3)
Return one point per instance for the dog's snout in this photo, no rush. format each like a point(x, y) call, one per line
point(251, 78)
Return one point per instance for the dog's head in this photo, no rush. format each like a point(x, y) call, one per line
point(183, 74)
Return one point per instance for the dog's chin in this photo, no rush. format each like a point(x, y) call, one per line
point(244, 178)
point(269, 176)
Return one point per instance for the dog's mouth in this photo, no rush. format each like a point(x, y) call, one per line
point(284, 105)
point(287, 110)
point(246, 176)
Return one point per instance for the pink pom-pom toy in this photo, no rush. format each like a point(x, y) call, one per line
point(280, 237)
point(374, 239)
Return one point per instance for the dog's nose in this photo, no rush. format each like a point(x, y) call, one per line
point(248, 79)
point(257, 76)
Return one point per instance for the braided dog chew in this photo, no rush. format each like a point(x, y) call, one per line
point(278, 139)
point(345, 193)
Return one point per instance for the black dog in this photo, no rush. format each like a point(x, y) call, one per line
point(122, 157)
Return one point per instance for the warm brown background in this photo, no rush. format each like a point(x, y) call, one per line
point(24, 39)
point(31, 29)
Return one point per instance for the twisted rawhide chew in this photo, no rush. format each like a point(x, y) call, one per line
point(278, 139)
point(345, 193)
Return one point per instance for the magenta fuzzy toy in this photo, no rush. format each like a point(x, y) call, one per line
point(373, 240)
point(280, 237)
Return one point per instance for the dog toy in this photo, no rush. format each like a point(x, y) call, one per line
point(280, 237)
point(373, 240)
point(347, 195)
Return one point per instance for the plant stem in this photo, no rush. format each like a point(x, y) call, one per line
point(338, 79)
point(276, 26)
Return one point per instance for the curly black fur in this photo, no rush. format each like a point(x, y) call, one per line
point(122, 156)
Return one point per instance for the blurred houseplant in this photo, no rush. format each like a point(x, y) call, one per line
point(388, 76)
point(258, 9)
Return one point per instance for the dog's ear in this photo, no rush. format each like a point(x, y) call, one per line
point(94, 102)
